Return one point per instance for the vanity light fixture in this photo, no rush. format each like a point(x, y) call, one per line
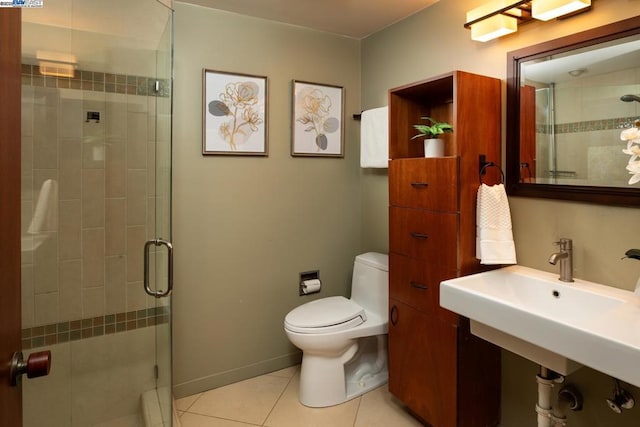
point(493, 20)
point(493, 27)
point(501, 17)
point(545, 10)
point(56, 64)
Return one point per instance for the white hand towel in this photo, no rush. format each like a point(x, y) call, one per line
point(494, 237)
point(374, 138)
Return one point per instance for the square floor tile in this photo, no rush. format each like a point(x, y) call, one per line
point(378, 408)
point(289, 412)
point(248, 401)
point(185, 403)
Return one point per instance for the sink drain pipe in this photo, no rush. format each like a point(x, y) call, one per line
point(543, 407)
point(567, 398)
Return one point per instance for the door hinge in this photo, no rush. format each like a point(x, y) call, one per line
point(156, 371)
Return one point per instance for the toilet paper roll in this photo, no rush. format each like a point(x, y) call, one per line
point(310, 286)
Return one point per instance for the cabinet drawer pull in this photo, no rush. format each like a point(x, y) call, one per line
point(419, 184)
point(419, 235)
point(418, 285)
point(393, 315)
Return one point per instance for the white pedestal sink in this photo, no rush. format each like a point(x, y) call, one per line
point(558, 325)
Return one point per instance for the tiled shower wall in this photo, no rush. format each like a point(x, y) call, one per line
point(82, 274)
point(589, 119)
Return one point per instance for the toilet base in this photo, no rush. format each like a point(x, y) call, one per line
point(326, 381)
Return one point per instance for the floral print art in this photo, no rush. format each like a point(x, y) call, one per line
point(238, 103)
point(315, 113)
point(317, 120)
point(235, 114)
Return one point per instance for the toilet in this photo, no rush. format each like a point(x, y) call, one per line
point(344, 341)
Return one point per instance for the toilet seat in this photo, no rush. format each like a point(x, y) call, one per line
point(325, 315)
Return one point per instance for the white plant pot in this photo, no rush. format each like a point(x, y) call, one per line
point(434, 147)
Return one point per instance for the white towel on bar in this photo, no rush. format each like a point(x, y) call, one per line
point(374, 138)
point(494, 237)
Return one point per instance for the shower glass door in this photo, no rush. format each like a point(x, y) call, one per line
point(162, 216)
point(96, 187)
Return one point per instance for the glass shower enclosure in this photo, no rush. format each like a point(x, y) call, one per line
point(96, 211)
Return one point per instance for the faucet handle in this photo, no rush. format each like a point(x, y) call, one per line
point(632, 253)
point(564, 243)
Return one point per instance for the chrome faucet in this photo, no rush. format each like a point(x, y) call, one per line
point(634, 254)
point(565, 256)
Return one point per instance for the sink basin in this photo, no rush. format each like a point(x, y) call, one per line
point(559, 325)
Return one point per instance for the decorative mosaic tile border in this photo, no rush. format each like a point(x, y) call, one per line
point(93, 327)
point(589, 126)
point(98, 82)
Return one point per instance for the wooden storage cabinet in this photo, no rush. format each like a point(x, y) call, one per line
point(422, 378)
point(446, 376)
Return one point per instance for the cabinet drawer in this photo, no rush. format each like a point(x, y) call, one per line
point(426, 183)
point(417, 284)
point(425, 235)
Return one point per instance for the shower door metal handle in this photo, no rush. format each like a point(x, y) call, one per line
point(147, 288)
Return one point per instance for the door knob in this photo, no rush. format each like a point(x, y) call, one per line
point(37, 365)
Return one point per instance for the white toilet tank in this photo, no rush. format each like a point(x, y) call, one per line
point(370, 283)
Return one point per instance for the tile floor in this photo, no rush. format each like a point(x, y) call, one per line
point(272, 400)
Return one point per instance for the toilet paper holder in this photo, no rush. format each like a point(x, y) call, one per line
point(306, 276)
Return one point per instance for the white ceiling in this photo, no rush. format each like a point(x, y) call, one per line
point(351, 18)
point(604, 58)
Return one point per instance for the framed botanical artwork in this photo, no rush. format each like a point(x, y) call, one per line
point(234, 114)
point(318, 120)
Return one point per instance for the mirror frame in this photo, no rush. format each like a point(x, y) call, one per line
point(615, 196)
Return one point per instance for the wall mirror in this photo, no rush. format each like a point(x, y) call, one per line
point(567, 102)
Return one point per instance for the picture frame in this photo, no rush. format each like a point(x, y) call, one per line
point(317, 120)
point(234, 114)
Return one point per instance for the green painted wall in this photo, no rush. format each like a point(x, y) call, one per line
point(245, 226)
point(433, 42)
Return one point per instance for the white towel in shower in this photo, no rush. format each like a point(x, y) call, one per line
point(45, 216)
point(374, 138)
point(494, 237)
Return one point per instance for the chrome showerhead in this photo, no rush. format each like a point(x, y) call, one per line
point(630, 98)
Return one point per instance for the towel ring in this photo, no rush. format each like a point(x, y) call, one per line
point(483, 170)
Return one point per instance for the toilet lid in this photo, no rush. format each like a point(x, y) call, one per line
point(323, 315)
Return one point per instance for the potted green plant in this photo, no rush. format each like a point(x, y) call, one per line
point(433, 146)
